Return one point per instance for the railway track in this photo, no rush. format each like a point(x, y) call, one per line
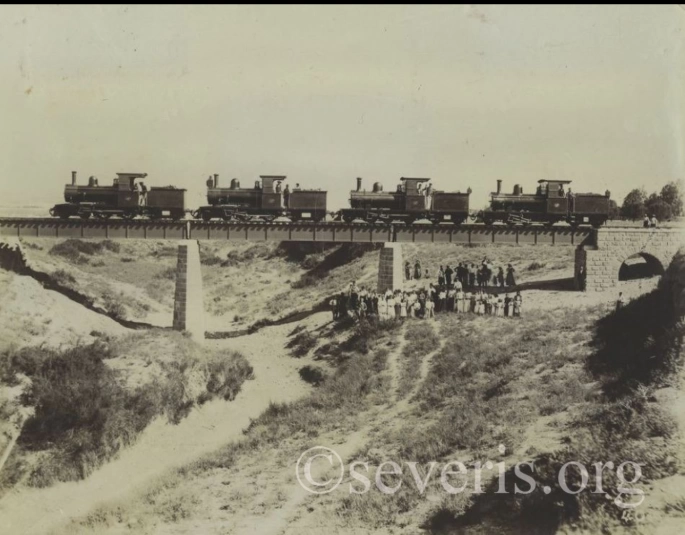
point(333, 231)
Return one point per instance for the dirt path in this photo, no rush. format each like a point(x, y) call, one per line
point(162, 446)
point(287, 518)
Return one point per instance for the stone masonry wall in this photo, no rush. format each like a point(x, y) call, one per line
point(614, 246)
point(390, 270)
point(188, 302)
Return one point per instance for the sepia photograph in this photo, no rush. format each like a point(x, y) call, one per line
point(342, 269)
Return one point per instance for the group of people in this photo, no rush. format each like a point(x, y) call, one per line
point(650, 222)
point(359, 302)
point(466, 275)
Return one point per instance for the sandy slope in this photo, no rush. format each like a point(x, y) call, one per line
point(32, 315)
point(163, 446)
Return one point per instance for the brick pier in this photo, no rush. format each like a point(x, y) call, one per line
point(188, 303)
point(390, 269)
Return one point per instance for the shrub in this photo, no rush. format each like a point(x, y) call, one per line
point(535, 265)
point(84, 414)
point(73, 249)
point(312, 374)
point(127, 259)
point(63, 277)
point(302, 343)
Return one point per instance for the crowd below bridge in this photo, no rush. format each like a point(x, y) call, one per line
point(466, 288)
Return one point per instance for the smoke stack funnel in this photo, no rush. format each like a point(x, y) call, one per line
point(216, 180)
point(73, 178)
point(359, 183)
point(499, 186)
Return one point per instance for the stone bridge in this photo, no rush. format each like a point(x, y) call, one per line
point(601, 255)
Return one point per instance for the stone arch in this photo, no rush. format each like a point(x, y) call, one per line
point(640, 265)
point(602, 255)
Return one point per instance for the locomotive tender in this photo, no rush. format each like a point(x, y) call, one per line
point(121, 199)
point(412, 200)
point(550, 204)
point(265, 202)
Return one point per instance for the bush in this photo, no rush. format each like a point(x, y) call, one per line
point(84, 414)
point(312, 374)
point(63, 277)
point(302, 343)
point(72, 249)
point(127, 259)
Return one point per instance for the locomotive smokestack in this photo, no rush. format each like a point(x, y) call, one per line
point(499, 186)
point(359, 183)
point(216, 180)
point(73, 178)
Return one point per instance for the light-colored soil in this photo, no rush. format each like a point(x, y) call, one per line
point(162, 446)
point(31, 315)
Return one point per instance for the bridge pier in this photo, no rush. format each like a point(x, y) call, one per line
point(188, 302)
point(390, 269)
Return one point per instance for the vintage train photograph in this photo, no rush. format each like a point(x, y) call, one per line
point(342, 269)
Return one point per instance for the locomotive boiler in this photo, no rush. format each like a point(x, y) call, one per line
point(266, 201)
point(124, 198)
point(412, 200)
point(551, 203)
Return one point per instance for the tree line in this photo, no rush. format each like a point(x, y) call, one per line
point(665, 205)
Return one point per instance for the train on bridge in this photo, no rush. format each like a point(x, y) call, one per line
point(414, 199)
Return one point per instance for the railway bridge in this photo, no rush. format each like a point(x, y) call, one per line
point(598, 259)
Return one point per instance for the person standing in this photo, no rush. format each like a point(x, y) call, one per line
point(442, 300)
point(472, 275)
point(451, 294)
point(143, 194)
point(620, 301)
point(518, 300)
point(500, 277)
point(646, 222)
point(286, 195)
point(333, 303)
point(654, 222)
point(417, 270)
point(407, 270)
point(511, 275)
point(507, 305)
point(448, 276)
point(441, 276)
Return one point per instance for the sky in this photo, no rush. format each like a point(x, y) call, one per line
point(463, 94)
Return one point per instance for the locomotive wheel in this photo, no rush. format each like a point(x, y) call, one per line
point(85, 215)
point(64, 216)
point(206, 216)
point(103, 216)
point(128, 216)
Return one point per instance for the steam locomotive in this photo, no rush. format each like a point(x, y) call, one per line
point(548, 205)
point(412, 200)
point(265, 202)
point(122, 199)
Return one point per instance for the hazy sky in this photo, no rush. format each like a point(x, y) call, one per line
point(323, 94)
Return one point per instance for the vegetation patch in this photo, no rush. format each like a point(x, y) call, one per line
point(85, 413)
